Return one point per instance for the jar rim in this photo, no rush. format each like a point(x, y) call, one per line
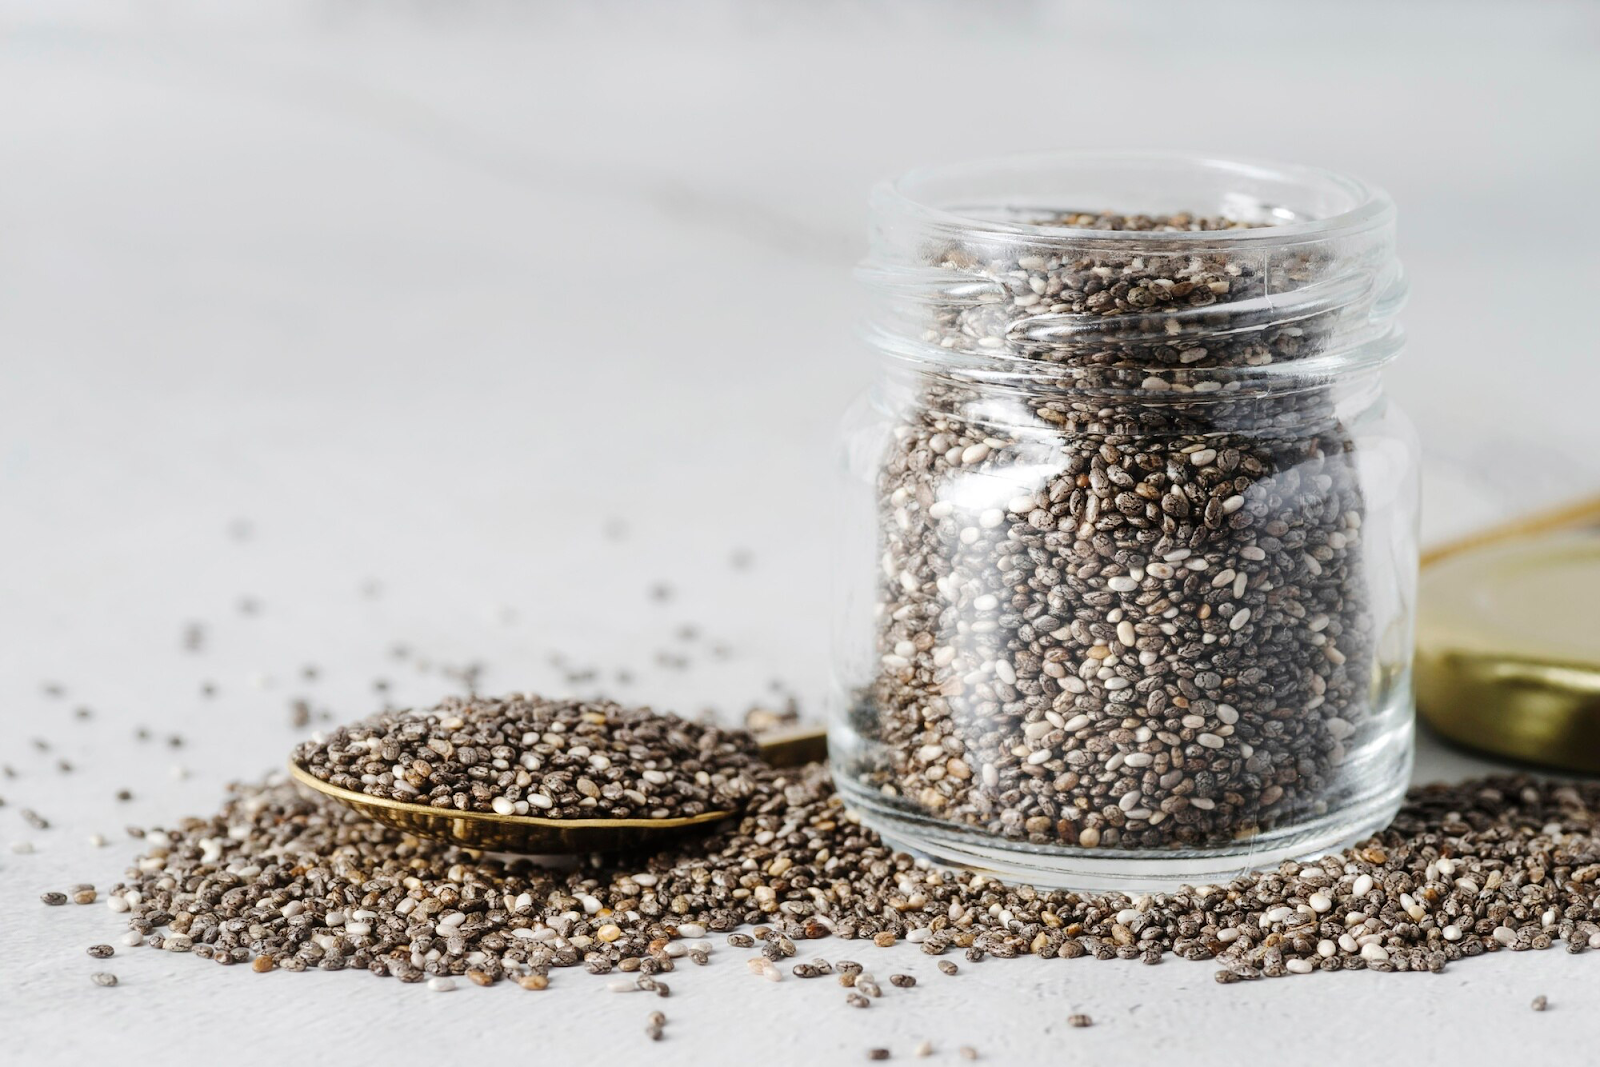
point(1364, 207)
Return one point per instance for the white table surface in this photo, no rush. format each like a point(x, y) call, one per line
point(431, 293)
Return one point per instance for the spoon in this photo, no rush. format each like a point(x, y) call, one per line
point(488, 832)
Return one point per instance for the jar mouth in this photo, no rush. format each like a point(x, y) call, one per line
point(1285, 204)
point(971, 268)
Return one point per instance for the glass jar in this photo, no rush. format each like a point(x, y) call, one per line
point(1133, 541)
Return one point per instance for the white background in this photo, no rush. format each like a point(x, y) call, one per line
point(434, 295)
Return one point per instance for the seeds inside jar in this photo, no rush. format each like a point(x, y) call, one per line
point(1122, 601)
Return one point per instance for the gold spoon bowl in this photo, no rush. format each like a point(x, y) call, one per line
point(489, 832)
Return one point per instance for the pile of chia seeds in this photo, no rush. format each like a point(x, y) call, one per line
point(1121, 601)
point(526, 755)
point(281, 878)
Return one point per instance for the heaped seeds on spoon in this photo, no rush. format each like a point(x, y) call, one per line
point(525, 755)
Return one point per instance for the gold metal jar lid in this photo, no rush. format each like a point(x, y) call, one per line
point(1508, 640)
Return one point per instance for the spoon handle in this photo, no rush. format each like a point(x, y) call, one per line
point(794, 749)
